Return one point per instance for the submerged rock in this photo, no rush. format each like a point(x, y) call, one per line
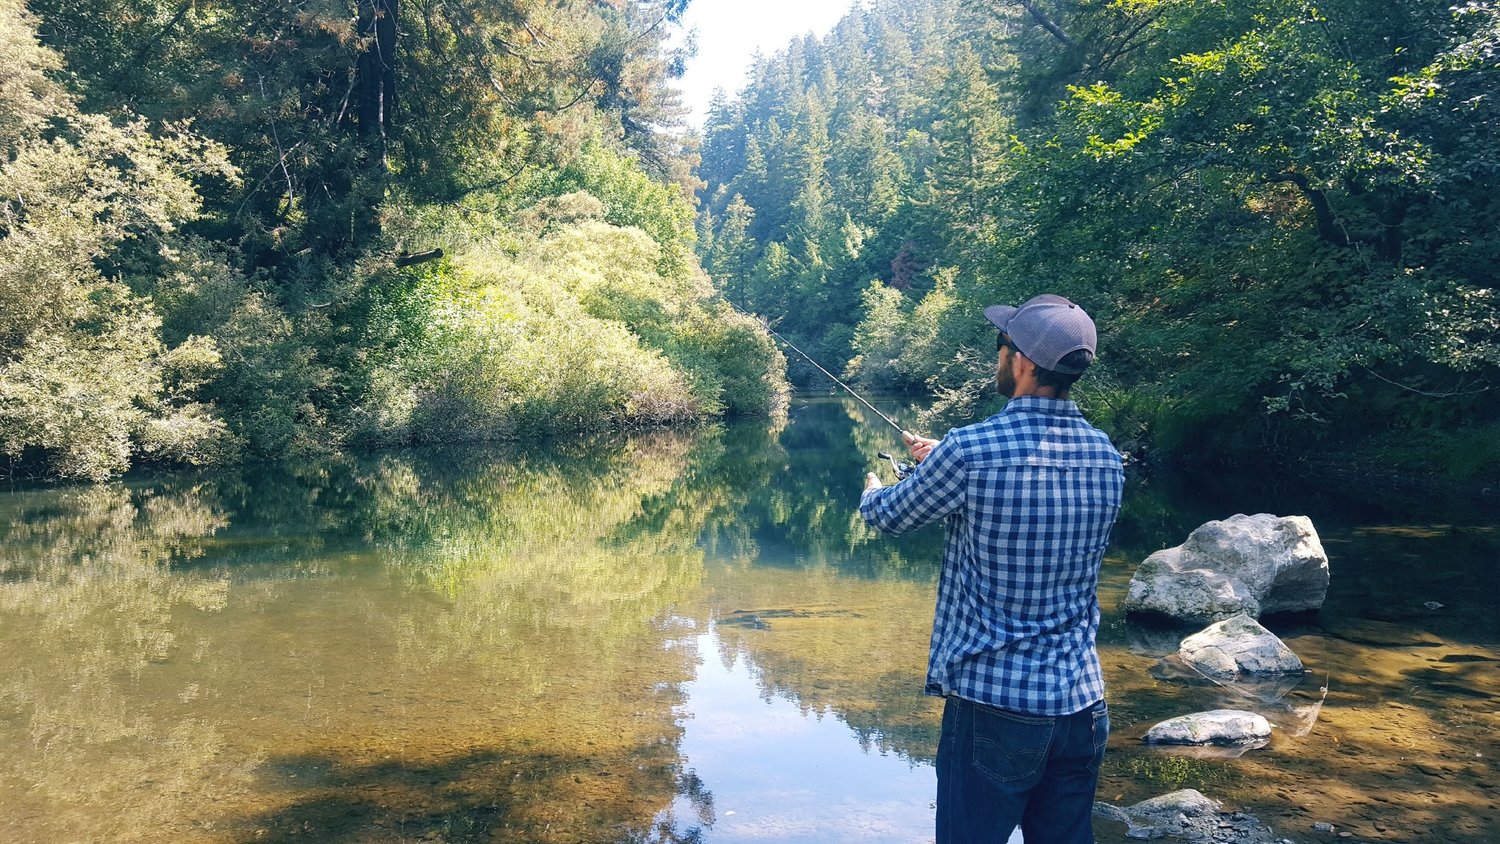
point(1188, 802)
point(1243, 564)
point(1188, 815)
point(1218, 727)
point(1259, 690)
point(1371, 632)
point(1238, 647)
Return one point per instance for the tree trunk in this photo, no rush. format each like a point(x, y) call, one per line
point(375, 80)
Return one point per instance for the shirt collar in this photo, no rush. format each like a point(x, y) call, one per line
point(1042, 405)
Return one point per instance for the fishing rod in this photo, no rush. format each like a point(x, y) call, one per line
point(846, 387)
point(900, 467)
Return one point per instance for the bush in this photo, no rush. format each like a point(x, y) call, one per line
point(570, 325)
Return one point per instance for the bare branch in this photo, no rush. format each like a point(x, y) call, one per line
point(406, 260)
point(1461, 391)
point(140, 53)
point(291, 194)
point(1125, 43)
point(1048, 24)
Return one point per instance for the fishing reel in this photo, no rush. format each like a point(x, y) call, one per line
point(900, 467)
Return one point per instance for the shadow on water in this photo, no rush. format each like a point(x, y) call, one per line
point(490, 795)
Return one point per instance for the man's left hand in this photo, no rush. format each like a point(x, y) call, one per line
point(919, 447)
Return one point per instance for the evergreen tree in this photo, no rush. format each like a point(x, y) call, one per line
point(1172, 166)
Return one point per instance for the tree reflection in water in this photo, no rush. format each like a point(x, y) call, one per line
point(468, 643)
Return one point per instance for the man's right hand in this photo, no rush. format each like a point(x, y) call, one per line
point(919, 447)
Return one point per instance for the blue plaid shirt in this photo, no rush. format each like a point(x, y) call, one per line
point(1030, 496)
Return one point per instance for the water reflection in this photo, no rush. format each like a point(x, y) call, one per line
point(785, 770)
point(629, 639)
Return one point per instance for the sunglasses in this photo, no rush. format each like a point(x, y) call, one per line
point(1002, 340)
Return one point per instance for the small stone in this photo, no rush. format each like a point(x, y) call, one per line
point(1346, 835)
point(1322, 826)
point(1144, 833)
point(1433, 605)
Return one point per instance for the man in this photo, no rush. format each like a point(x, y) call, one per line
point(1030, 496)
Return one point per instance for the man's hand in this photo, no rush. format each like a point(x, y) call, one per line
point(919, 447)
point(872, 481)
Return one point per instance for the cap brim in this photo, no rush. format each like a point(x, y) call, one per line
point(999, 315)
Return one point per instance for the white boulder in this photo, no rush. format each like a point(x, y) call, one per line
point(1243, 564)
point(1218, 726)
point(1238, 647)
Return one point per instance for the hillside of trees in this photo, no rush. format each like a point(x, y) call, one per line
point(1285, 217)
point(260, 229)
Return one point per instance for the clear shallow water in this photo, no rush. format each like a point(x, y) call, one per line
point(672, 637)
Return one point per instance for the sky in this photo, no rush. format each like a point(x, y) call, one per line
point(729, 33)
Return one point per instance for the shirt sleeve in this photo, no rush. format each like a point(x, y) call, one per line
point(933, 491)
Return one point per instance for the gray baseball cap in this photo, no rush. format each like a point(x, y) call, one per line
point(1047, 328)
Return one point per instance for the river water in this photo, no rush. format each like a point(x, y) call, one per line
point(672, 637)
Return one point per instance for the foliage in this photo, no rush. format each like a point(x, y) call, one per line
point(629, 198)
point(571, 327)
point(1281, 216)
point(86, 381)
point(156, 305)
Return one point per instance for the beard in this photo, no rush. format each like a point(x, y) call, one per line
point(1005, 379)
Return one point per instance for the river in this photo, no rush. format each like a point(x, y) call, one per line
point(668, 637)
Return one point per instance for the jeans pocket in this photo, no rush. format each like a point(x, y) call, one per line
point(1101, 735)
point(1009, 747)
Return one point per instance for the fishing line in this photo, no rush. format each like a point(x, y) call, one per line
point(901, 468)
point(836, 380)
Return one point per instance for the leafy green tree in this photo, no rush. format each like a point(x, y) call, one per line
point(287, 310)
point(86, 381)
point(1279, 213)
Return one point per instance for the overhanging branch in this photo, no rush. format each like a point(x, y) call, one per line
point(1048, 24)
point(1328, 228)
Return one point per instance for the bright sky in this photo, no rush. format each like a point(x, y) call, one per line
point(729, 33)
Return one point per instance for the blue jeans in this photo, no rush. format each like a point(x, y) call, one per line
point(997, 769)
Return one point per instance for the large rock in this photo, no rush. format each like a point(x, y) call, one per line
point(1218, 726)
point(1238, 647)
point(1243, 564)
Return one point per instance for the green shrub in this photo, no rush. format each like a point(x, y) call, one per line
point(569, 324)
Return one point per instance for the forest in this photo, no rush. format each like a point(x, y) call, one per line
point(243, 231)
point(239, 231)
point(1283, 215)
